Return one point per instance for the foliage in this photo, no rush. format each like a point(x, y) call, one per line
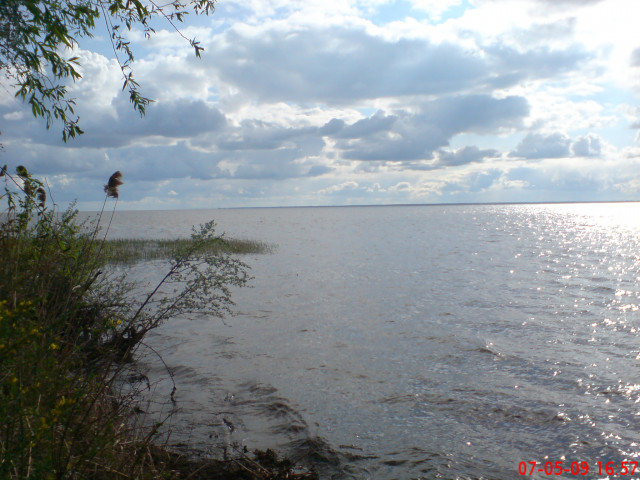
point(66, 331)
point(37, 35)
point(200, 282)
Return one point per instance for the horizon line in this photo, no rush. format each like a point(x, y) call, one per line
point(446, 204)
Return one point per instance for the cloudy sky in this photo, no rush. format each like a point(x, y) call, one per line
point(332, 102)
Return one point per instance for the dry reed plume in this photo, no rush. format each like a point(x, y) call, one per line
point(42, 197)
point(112, 187)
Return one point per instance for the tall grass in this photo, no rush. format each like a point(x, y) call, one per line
point(60, 413)
point(132, 250)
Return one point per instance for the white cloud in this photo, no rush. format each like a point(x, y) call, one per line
point(306, 101)
point(18, 115)
point(435, 8)
point(350, 185)
point(400, 186)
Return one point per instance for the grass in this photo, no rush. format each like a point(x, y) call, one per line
point(127, 251)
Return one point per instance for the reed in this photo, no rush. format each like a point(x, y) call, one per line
point(127, 251)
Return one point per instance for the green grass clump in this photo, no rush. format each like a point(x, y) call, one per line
point(128, 251)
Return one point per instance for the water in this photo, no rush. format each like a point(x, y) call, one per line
point(416, 342)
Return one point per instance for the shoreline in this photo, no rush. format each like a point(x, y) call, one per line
point(264, 465)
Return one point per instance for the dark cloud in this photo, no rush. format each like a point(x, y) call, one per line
point(536, 145)
point(474, 113)
point(479, 181)
point(267, 152)
point(556, 145)
point(379, 122)
point(588, 146)
point(512, 65)
point(260, 135)
point(180, 139)
point(338, 65)
point(158, 163)
point(272, 165)
point(117, 125)
point(250, 160)
point(190, 139)
point(410, 141)
point(49, 160)
point(317, 170)
point(332, 127)
point(465, 155)
point(180, 119)
point(406, 136)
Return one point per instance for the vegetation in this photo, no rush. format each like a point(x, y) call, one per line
point(132, 250)
point(37, 39)
point(67, 333)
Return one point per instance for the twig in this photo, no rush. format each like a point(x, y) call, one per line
point(173, 391)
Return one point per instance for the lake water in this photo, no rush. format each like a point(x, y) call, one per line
point(447, 342)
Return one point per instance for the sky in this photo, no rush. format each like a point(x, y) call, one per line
point(343, 102)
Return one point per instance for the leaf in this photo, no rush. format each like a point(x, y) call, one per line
point(45, 29)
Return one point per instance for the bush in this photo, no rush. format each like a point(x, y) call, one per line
point(67, 329)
